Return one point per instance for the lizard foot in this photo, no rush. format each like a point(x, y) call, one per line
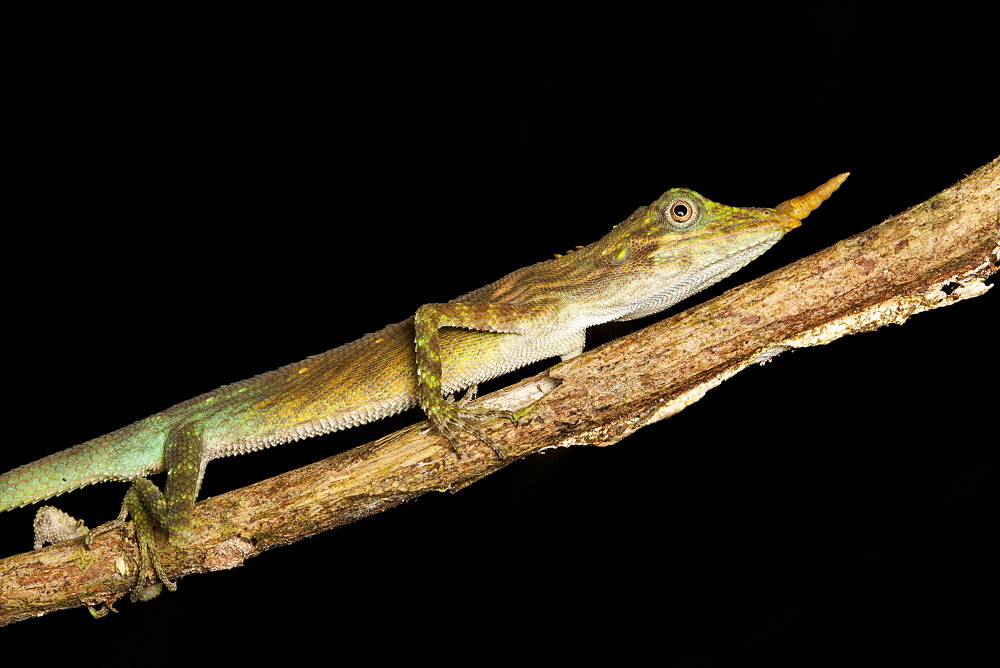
point(146, 587)
point(458, 417)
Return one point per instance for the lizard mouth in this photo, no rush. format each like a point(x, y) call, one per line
point(789, 223)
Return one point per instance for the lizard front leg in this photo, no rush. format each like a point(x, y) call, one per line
point(448, 416)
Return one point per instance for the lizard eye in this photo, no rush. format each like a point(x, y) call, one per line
point(681, 211)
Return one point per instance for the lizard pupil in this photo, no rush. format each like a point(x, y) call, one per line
point(681, 211)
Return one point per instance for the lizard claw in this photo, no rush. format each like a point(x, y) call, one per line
point(455, 416)
point(464, 420)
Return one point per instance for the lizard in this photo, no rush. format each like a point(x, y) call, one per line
point(661, 254)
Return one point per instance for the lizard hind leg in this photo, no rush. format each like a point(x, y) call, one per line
point(171, 511)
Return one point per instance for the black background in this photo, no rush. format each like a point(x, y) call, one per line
point(199, 200)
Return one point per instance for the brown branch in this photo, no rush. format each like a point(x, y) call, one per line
point(933, 255)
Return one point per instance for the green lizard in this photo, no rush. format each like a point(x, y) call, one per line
point(662, 253)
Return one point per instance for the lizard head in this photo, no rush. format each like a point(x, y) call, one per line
point(684, 242)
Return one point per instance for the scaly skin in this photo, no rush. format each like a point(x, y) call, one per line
point(677, 246)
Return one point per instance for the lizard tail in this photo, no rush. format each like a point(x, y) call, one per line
point(111, 457)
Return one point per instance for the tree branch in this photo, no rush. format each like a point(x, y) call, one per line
point(933, 255)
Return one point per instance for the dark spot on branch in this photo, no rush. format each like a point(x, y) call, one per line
point(949, 288)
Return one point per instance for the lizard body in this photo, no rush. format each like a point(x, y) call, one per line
point(661, 254)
